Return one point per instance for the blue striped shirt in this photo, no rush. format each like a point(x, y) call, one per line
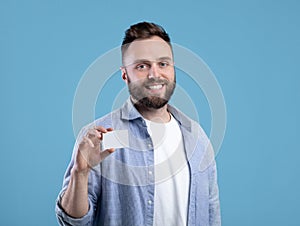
point(121, 191)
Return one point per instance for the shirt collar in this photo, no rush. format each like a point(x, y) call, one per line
point(129, 112)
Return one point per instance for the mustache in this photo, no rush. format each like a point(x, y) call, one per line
point(153, 81)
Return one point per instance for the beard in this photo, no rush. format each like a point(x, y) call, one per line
point(138, 91)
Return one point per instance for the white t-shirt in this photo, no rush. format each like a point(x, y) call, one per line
point(172, 175)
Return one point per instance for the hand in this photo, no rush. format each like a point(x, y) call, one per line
point(89, 153)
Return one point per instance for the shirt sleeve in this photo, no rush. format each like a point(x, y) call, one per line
point(209, 163)
point(214, 202)
point(65, 220)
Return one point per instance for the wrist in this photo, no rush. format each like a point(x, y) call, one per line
point(79, 172)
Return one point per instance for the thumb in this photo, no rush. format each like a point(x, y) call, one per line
point(106, 153)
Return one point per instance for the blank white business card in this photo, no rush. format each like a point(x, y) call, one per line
point(115, 139)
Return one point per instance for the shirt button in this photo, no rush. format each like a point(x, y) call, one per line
point(149, 145)
point(150, 172)
point(149, 202)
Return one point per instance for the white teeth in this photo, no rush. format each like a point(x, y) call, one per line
point(155, 87)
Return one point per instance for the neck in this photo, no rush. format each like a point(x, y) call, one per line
point(160, 115)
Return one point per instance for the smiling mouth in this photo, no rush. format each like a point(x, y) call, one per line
point(155, 87)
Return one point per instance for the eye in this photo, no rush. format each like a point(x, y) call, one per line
point(164, 64)
point(142, 67)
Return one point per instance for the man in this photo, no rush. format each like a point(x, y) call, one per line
point(159, 179)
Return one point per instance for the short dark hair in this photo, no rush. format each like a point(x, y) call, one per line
point(143, 30)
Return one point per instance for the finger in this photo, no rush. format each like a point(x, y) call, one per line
point(92, 133)
point(109, 129)
point(110, 150)
point(88, 141)
point(100, 129)
point(106, 153)
point(95, 136)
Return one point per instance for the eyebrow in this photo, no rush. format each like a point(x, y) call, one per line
point(165, 58)
point(147, 60)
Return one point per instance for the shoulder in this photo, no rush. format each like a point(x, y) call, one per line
point(109, 120)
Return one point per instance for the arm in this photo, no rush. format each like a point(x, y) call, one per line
point(75, 199)
point(209, 163)
point(74, 204)
point(214, 202)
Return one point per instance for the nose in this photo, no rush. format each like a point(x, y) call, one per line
point(154, 71)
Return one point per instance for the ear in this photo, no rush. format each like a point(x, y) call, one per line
point(124, 74)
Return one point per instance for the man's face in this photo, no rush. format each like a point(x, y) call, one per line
point(149, 72)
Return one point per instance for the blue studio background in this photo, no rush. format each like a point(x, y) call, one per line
point(253, 48)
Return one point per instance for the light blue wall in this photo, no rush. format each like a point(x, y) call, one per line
point(251, 46)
